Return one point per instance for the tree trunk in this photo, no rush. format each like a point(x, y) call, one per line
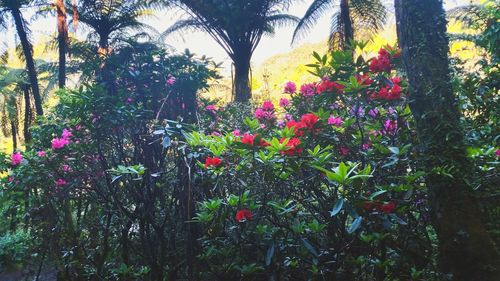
point(30, 63)
point(241, 88)
point(346, 21)
point(465, 248)
point(62, 39)
point(27, 114)
point(13, 128)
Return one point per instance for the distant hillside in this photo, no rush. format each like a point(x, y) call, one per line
point(270, 77)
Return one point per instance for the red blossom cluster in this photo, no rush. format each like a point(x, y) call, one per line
point(386, 208)
point(307, 121)
point(330, 87)
point(243, 215)
point(249, 139)
point(382, 63)
point(292, 147)
point(389, 92)
point(212, 162)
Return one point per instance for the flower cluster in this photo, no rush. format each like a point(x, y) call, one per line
point(382, 63)
point(265, 112)
point(16, 158)
point(60, 143)
point(213, 162)
point(330, 87)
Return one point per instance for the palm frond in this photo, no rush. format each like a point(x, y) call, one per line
point(313, 13)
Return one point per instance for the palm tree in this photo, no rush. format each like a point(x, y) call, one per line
point(237, 26)
point(111, 20)
point(13, 8)
point(350, 16)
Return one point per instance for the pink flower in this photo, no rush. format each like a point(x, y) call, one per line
point(290, 88)
point(210, 107)
point(284, 102)
point(497, 153)
point(308, 90)
point(61, 182)
point(344, 151)
point(236, 133)
point(129, 100)
point(16, 158)
point(215, 133)
point(66, 134)
point(171, 80)
point(59, 143)
point(336, 121)
point(41, 153)
point(66, 168)
point(268, 106)
point(390, 126)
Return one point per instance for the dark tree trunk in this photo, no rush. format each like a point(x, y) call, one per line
point(13, 128)
point(27, 114)
point(465, 248)
point(30, 63)
point(62, 39)
point(241, 88)
point(345, 17)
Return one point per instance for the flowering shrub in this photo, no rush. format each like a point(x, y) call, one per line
point(323, 188)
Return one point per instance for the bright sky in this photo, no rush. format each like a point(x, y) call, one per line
point(202, 44)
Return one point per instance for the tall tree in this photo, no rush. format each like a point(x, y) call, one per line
point(349, 16)
point(62, 40)
point(237, 26)
point(111, 20)
point(465, 248)
point(13, 7)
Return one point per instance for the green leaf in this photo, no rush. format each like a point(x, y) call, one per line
point(269, 255)
point(309, 247)
point(337, 207)
point(355, 225)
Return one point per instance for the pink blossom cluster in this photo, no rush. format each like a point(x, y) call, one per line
point(60, 143)
point(290, 88)
point(308, 90)
point(265, 112)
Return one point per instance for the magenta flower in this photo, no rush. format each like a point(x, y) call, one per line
point(210, 107)
point(236, 133)
point(66, 134)
point(66, 168)
point(171, 80)
point(268, 106)
point(497, 153)
point(41, 153)
point(336, 121)
point(344, 151)
point(290, 88)
point(390, 126)
point(61, 182)
point(308, 90)
point(59, 143)
point(284, 102)
point(16, 158)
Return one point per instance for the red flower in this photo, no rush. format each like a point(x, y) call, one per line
point(297, 126)
point(388, 208)
point(329, 86)
point(243, 215)
point(309, 119)
point(292, 147)
point(364, 79)
point(212, 162)
point(248, 139)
